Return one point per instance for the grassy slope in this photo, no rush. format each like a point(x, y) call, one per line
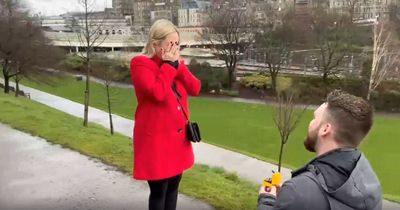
point(249, 129)
point(222, 190)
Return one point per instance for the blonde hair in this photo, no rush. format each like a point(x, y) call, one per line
point(158, 31)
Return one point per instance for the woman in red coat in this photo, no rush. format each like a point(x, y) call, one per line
point(161, 149)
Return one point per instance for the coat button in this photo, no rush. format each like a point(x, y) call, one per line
point(180, 130)
point(179, 108)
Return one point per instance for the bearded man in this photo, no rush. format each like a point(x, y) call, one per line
point(340, 177)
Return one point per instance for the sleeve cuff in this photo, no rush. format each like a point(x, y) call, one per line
point(174, 64)
point(266, 199)
point(266, 195)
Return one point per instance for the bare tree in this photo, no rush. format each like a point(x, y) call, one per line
point(332, 37)
point(36, 55)
point(104, 70)
point(89, 36)
point(384, 55)
point(228, 31)
point(274, 42)
point(10, 22)
point(35, 64)
point(107, 84)
point(108, 78)
point(286, 120)
point(351, 7)
point(23, 46)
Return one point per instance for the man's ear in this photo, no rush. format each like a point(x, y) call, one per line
point(326, 129)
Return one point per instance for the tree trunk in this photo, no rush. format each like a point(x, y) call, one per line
point(369, 90)
point(369, 95)
point(6, 84)
point(86, 108)
point(87, 91)
point(325, 82)
point(274, 76)
point(87, 95)
point(280, 157)
point(6, 77)
point(109, 110)
point(231, 79)
point(325, 77)
point(16, 85)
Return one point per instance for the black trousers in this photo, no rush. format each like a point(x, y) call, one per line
point(164, 193)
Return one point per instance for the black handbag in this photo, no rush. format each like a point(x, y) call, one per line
point(192, 128)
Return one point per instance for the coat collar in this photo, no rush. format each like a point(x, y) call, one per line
point(306, 167)
point(157, 60)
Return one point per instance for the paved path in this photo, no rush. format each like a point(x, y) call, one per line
point(246, 167)
point(36, 175)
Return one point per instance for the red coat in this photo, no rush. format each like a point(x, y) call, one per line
point(161, 149)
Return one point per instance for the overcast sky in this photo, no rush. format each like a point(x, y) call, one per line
point(57, 7)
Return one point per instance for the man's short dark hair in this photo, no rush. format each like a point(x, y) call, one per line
point(351, 116)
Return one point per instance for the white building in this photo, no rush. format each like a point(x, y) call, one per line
point(55, 23)
point(190, 17)
point(160, 14)
point(123, 7)
point(74, 22)
point(193, 13)
point(363, 10)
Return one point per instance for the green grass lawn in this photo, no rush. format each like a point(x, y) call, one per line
point(249, 129)
point(223, 190)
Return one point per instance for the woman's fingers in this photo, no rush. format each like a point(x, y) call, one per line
point(172, 54)
point(176, 52)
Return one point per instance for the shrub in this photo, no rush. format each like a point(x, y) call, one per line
point(73, 62)
point(119, 69)
point(262, 81)
point(211, 78)
point(386, 101)
point(256, 81)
